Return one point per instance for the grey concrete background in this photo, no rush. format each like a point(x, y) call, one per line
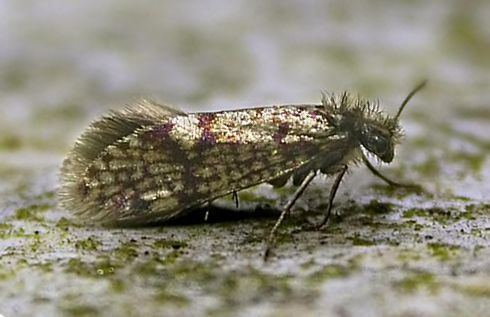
point(387, 253)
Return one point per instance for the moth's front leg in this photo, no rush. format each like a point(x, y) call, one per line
point(333, 192)
point(414, 187)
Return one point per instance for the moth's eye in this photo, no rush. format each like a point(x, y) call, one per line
point(378, 143)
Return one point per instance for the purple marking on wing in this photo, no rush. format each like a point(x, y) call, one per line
point(120, 201)
point(208, 137)
point(205, 120)
point(162, 131)
point(282, 131)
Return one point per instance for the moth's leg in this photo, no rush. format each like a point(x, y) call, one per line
point(386, 179)
point(333, 192)
point(206, 214)
point(285, 211)
point(234, 196)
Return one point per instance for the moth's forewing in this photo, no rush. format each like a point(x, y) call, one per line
point(179, 161)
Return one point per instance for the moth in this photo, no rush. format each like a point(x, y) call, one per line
point(149, 163)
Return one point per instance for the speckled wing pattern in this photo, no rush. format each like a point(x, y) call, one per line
point(148, 162)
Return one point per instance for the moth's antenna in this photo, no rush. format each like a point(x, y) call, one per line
point(410, 95)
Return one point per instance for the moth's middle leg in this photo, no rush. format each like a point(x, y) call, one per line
point(333, 192)
point(234, 197)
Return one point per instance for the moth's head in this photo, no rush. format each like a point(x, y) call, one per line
point(363, 122)
point(380, 134)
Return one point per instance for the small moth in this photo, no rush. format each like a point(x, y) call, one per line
point(149, 163)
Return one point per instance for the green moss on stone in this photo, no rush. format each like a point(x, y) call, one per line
point(409, 255)
point(79, 310)
point(417, 282)
point(89, 244)
point(376, 207)
point(126, 252)
point(103, 266)
point(429, 168)
point(443, 252)
point(440, 215)
point(481, 290)
point(10, 142)
point(360, 241)
point(64, 223)
point(328, 272)
point(251, 285)
point(32, 213)
point(166, 297)
point(472, 161)
point(415, 213)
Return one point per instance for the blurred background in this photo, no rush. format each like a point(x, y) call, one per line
point(63, 63)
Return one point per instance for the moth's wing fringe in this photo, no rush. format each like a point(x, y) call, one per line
point(99, 135)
